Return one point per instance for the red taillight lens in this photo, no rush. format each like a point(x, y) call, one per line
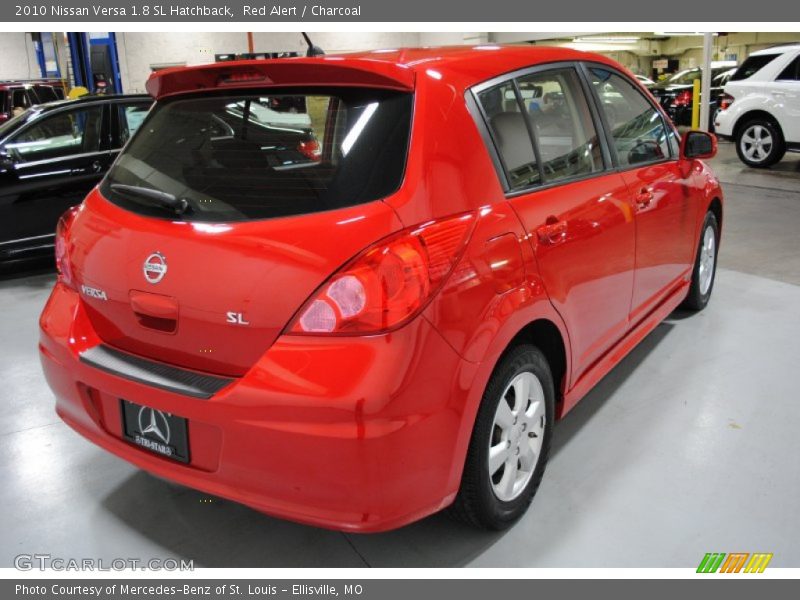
point(683, 98)
point(4, 117)
point(725, 100)
point(310, 149)
point(62, 246)
point(388, 283)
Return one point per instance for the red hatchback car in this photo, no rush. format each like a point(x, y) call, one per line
point(360, 334)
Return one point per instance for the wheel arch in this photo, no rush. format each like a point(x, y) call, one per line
point(754, 114)
point(546, 336)
point(715, 206)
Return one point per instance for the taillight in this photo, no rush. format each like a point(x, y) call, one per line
point(387, 284)
point(4, 117)
point(310, 149)
point(683, 98)
point(63, 265)
point(725, 100)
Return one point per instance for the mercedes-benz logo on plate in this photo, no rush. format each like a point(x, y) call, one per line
point(154, 423)
point(155, 267)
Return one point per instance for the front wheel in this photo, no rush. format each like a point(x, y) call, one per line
point(705, 265)
point(759, 144)
point(510, 442)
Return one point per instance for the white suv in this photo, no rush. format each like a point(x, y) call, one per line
point(760, 109)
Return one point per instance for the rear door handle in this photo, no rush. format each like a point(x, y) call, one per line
point(553, 231)
point(644, 198)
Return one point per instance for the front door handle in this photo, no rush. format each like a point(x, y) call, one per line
point(644, 198)
point(553, 231)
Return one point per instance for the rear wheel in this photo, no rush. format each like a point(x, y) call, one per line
point(705, 265)
point(510, 442)
point(760, 144)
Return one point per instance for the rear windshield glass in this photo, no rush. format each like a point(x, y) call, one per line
point(752, 65)
point(258, 156)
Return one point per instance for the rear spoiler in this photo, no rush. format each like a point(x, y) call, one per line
point(328, 71)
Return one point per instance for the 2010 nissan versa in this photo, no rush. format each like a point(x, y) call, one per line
point(355, 290)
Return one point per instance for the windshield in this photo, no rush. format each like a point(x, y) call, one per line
point(258, 156)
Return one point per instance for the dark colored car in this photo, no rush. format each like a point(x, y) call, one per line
point(51, 155)
point(16, 96)
point(675, 93)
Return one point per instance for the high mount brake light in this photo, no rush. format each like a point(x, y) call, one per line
point(387, 284)
point(241, 77)
point(63, 266)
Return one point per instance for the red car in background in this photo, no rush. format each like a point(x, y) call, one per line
point(364, 336)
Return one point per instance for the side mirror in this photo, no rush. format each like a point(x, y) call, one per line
point(698, 144)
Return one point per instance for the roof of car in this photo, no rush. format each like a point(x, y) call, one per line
point(464, 66)
point(89, 98)
point(776, 49)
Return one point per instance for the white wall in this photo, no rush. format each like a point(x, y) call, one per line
point(18, 56)
point(137, 51)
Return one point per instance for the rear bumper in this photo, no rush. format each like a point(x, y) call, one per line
point(358, 434)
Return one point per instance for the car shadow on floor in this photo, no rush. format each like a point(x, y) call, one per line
point(218, 533)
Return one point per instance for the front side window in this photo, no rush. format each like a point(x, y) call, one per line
point(556, 108)
point(45, 93)
point(637, 129)
point(257, 156)
point(59, 135)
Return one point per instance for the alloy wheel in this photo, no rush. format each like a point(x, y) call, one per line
point(708, 252)
point(517, 436)
point(756, 143)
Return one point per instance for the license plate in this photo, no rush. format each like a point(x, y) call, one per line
point(156, 431)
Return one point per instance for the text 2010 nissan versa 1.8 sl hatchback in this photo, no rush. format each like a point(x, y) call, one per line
point(384, 317)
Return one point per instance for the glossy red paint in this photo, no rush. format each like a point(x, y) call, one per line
point(367, 432)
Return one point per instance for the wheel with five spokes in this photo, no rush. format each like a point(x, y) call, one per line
point(510, 441)
point(705, 265)
point(759, 143)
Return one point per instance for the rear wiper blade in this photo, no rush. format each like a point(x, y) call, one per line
point(152, 197)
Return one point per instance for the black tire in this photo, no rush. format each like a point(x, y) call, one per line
point(766, 157)
point(476, 502)
point(697, 299)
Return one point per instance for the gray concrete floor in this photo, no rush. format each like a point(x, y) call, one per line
point(689, 446)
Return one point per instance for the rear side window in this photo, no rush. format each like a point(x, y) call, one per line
point(752, 65)
point(637, 129)
point(556, 107)
point(258, 156)
point(510, 133)
point(19, 99)
point(792, 72)
point(129, 118)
